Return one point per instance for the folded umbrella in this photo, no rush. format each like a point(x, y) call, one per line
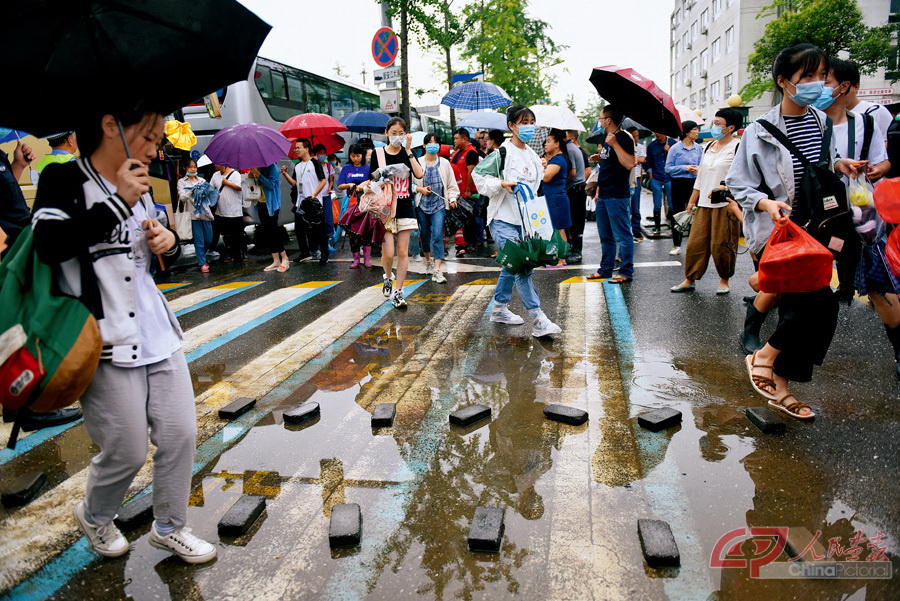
point(247, 145)
point(180, 134)
point(96, 56)
point(475, 96)
point(639, 97)
point(371, 122)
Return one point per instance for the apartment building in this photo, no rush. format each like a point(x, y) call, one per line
point(710, 43)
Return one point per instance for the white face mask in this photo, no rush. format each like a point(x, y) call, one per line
point(397, 141)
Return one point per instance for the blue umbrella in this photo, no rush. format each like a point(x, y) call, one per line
point(485, 120)
point(365, 121)
point(475, 96)
point(14, 134)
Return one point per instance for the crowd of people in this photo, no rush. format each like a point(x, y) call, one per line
point(98, 207)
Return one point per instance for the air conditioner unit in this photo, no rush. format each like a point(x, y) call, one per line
point(703, 29)
point(689, 46)
point(703, 74)
point(688, 83)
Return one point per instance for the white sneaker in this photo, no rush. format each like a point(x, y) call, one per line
point(675, 251)
point(439, 278)
point(183, 544)
point(106, 540)
point(429, 267)
point(211, 254)
point(542, 326)
point(397, 299)
point(387, 285)
point(502, 314)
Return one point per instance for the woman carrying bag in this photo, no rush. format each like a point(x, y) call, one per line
point(496, 177)
point(714, 229)
point(764, 179)
point(201, 223)
point(682, 165)
point(437, 193)
point(556, 171)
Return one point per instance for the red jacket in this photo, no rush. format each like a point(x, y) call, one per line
point(460, 169)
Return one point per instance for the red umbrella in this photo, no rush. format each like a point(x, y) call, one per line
point(638, 97)
point(331, 142)
point(311, 125)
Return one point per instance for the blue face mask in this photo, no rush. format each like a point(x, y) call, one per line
point(807, 93)
point(716, 132)
point(826, 99)
point(526, 132)
point(432, 148)
point(322, 158)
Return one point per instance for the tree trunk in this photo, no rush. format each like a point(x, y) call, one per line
point(449, 72)
point(404, 64)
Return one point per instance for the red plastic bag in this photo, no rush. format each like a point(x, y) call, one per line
point(20, 371)
point(794, 261)
point(892, 252)
point(887, 199)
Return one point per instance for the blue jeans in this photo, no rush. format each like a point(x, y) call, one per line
point(657, 188)
point(636, 211)
point(431, 232)
point(614, 227)
point(502, 231)
point(203, 233)
point(329, 217)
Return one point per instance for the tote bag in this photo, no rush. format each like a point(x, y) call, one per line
point(794, 261)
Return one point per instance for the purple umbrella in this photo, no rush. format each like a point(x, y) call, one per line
point(248, 145)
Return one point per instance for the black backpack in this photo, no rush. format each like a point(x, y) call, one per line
point(868, 130)
point(820, 204)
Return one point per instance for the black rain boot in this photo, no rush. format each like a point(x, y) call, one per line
point(893, 335)
point(753, 323)
point(657, 219)
point(574, 257)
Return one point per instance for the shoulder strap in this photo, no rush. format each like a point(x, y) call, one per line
point(379, 154)
point(868, 129)
point(851, 134)
point(825, 151)
point(784, 140)
point(502, 151)
point(708, 146)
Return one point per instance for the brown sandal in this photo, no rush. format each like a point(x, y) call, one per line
point(620, 279)
point(760, 383)
point(793, 407)
point(596, 276)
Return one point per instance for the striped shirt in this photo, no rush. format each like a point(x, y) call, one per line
point(805, 133)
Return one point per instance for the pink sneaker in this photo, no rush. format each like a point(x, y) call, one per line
point(204, 268)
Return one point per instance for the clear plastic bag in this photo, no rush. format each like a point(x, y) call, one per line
point(861, 193)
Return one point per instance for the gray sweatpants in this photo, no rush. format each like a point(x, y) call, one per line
point(119, 406)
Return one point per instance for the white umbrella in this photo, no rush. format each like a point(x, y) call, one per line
point(485, 120)
point(559, 117)
point(687, 114)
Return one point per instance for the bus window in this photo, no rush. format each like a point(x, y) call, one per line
point(263, 78)
point(295, 88)
point(317, 97)
point(341, 101)
point(278, 88)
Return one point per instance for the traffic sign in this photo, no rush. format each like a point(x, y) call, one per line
point(385, 47)
point(390, 100)
point(387, 75)
point(875, 92)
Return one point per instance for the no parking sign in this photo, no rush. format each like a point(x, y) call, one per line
point(385, 47)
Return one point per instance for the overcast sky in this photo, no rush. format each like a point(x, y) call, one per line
point(317, 35)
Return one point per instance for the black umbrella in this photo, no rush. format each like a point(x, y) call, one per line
point(638, 97)
point(82, 58)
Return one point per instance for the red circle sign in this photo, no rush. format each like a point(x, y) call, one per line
point(385, 47)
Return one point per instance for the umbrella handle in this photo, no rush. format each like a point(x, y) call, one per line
point(124, 141)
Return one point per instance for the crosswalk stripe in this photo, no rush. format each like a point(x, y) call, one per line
point(171, 287)
point(204, 298)
point(202, 340)
point(271, 378)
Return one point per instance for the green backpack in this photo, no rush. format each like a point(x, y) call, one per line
point(49, 342)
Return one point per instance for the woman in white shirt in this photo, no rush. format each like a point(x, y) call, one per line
point(715, 229)
point(230, 211)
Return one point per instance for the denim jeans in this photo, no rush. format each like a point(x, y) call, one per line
point(614, 227)
point(657, 188)
point(203, 232)
point(329, 217)
point(431, 232)
point(502, 231)
point(636, 211)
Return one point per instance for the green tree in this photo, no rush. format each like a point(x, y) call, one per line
point(511, 48)
point(832, 25)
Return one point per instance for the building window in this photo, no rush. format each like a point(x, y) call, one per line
point(716, 8)
point(677, 48)
point(702, 98)
point(729, 39)
point(678, 80)
point(677, 16)
point(693, 103)
point(704, 20)
point(729, 85)
point(685, 40)
point(695, 67)
point(695, 30)
point(715, 92)
point(704, 60)
point(684, 75)
point(717, 50)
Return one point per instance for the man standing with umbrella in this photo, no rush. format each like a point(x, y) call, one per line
point(614, 198)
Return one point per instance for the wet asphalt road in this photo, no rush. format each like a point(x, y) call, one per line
point(572, 494)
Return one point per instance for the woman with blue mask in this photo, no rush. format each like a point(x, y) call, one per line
point(764, 180)
point(682, 163)
point(716, 225)
point(436, 192)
